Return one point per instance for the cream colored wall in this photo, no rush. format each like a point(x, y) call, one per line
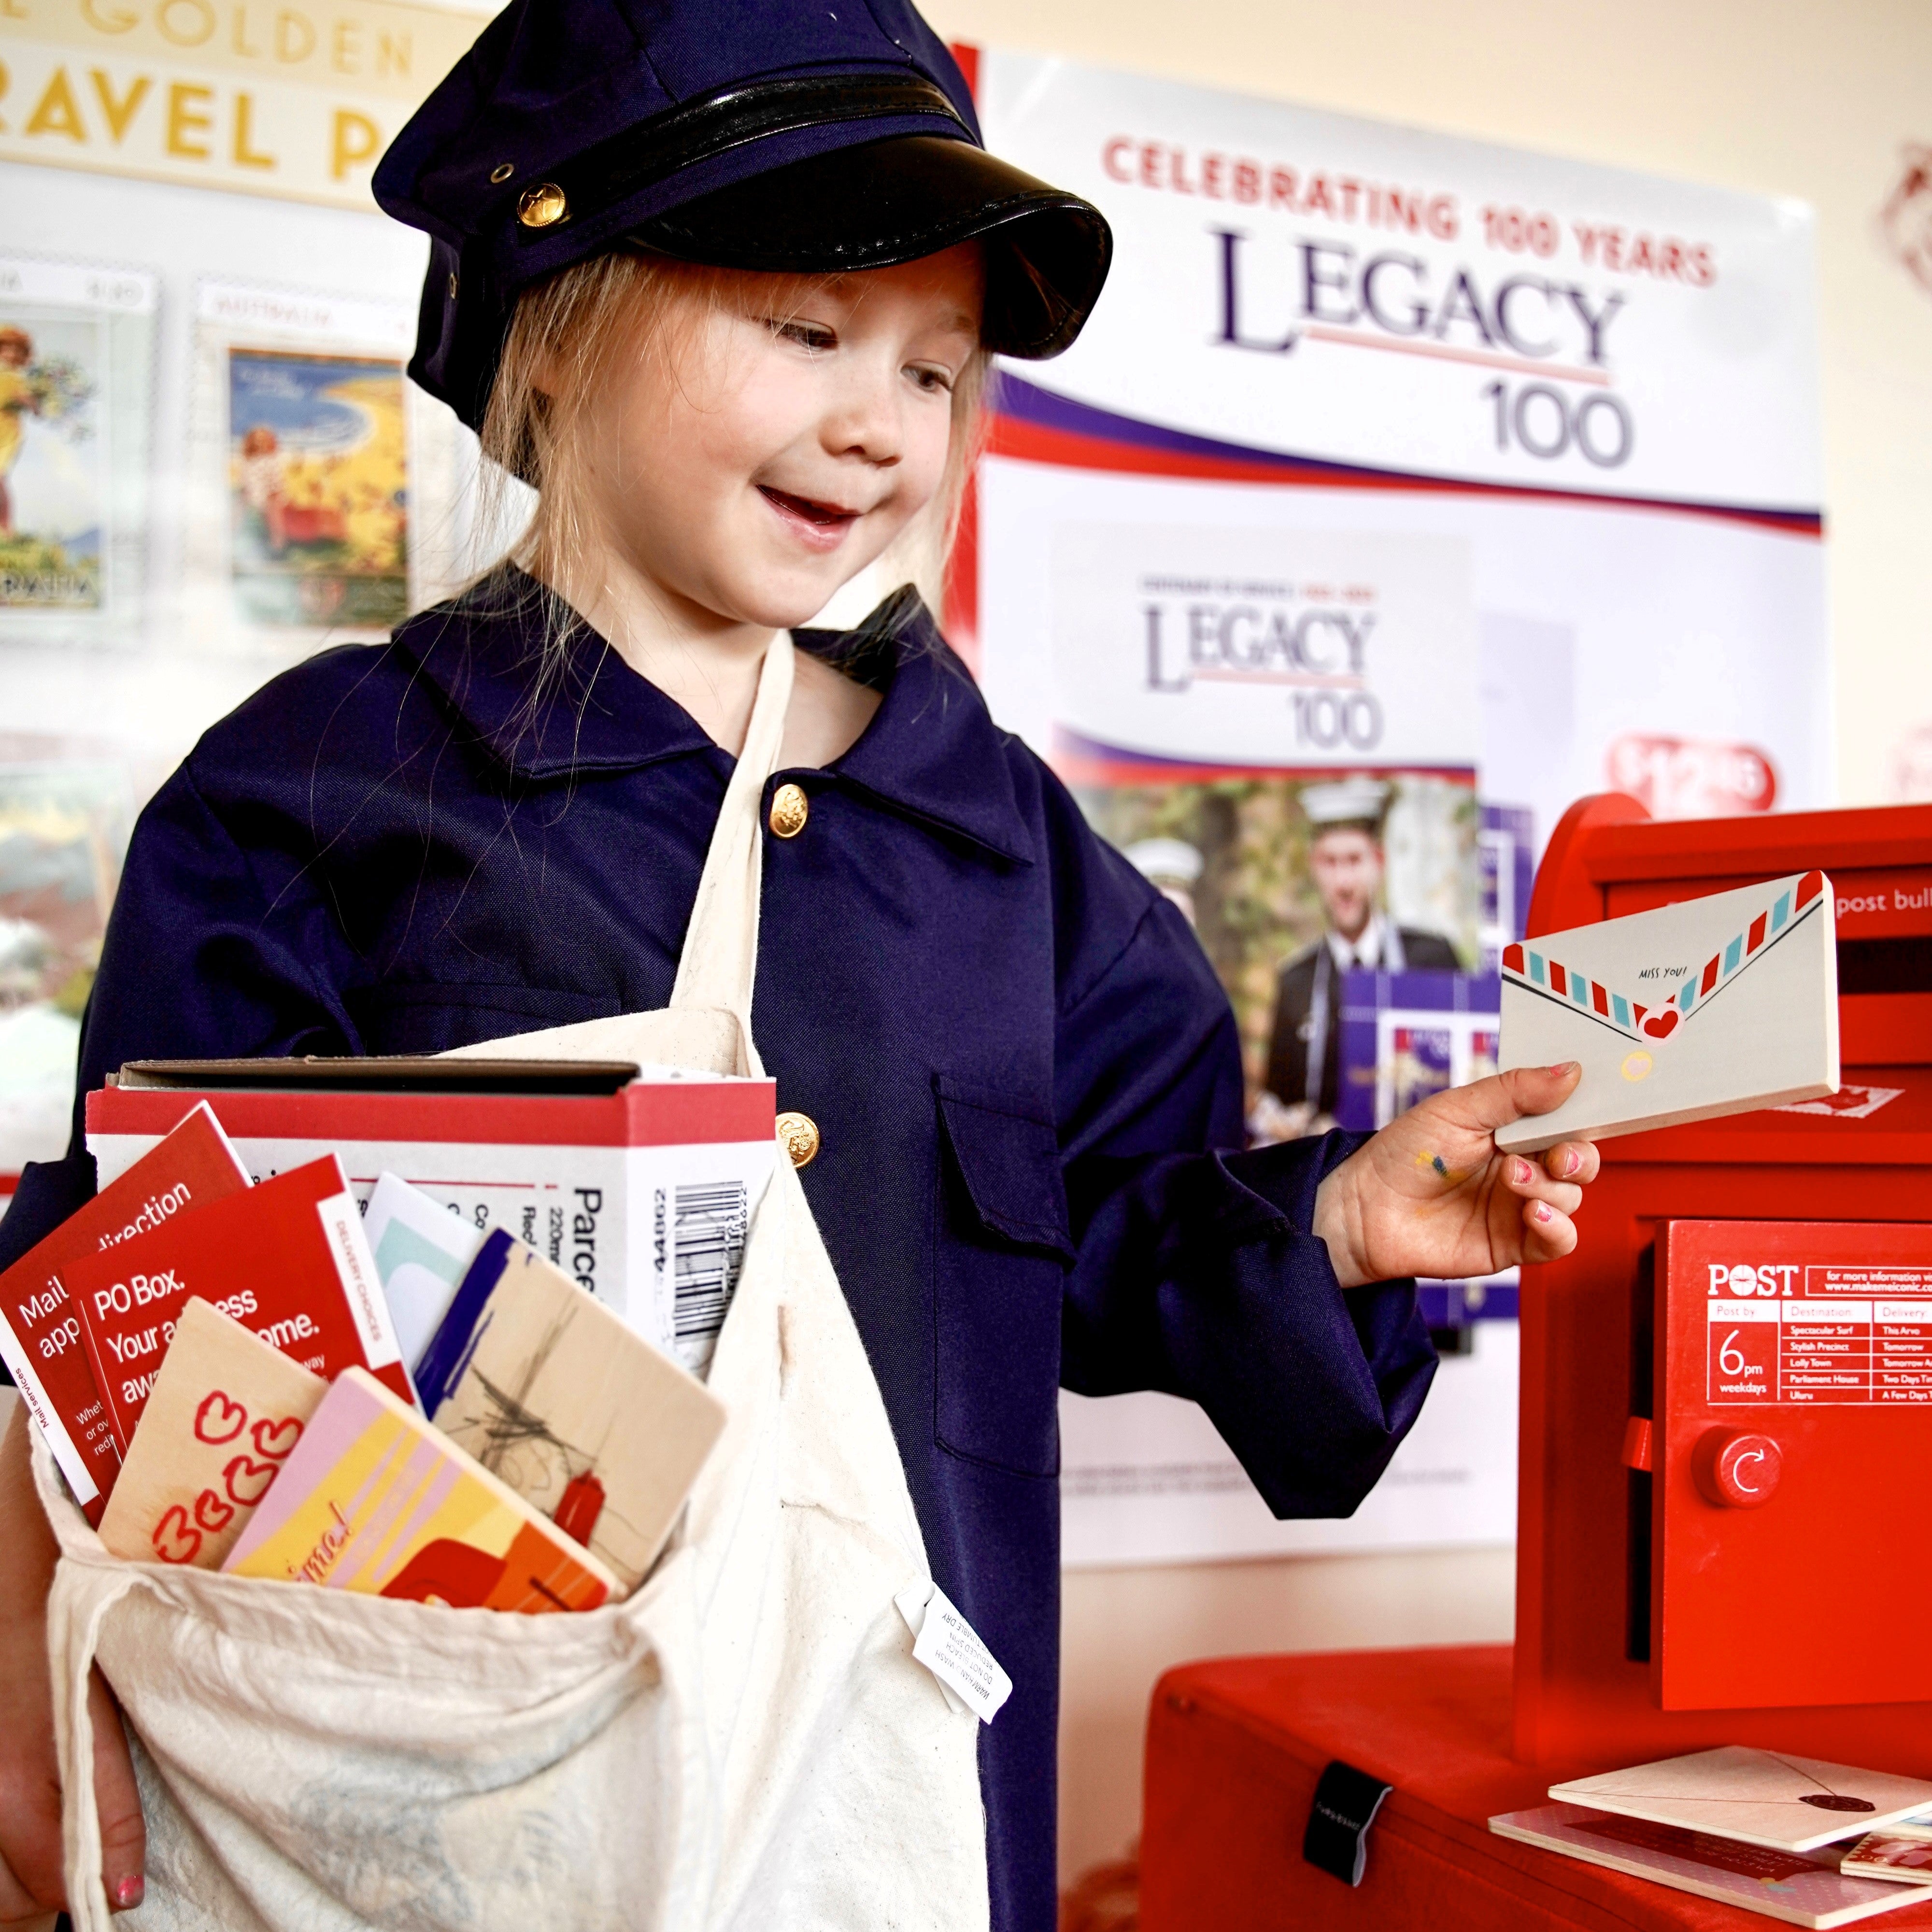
point(1773, 96)
point(1121, 1628)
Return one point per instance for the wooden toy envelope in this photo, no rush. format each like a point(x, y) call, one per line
point(1717, 1006)
point(1761, 1797)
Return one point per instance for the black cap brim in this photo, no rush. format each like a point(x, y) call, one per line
point(879, 203)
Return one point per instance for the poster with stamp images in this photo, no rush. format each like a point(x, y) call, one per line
point(318, 489)
point(308, 451)
point(77, 355)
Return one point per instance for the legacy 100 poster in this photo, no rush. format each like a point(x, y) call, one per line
point(1278, 727)
point(1402, 490)
point(1604, 384)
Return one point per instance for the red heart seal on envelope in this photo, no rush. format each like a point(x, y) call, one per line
point(247, 1480)
point(211, 1512)
point(275, 1439)
point(218, 1419)
point(1661, 1026)
point(175, 1539)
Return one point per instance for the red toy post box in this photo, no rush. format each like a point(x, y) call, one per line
point(1726, 1405)
point(1727, 1390)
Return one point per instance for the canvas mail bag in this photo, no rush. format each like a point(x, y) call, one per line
point(746, 1743)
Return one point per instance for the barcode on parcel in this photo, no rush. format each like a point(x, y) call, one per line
point(708, 1226)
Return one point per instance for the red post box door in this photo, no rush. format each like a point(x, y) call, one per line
point(1792, 1447)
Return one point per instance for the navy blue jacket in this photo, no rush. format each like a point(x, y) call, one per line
point(1014, 1049)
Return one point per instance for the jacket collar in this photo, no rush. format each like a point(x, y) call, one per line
point(931, 751)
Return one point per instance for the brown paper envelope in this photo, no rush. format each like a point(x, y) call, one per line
point(581, 1415)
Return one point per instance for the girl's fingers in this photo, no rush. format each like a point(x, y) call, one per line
point(1548, 1234)
point(118, 1800)
point(1573, 1160)
point(1530, 1179)
point(1487, 1104)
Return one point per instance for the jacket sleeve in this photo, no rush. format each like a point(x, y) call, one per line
point(1195, 1270)
point(211, 952)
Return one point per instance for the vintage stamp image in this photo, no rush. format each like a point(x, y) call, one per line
point(53, 509)
point(319, 488)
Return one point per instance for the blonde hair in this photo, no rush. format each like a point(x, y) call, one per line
point(565, 336)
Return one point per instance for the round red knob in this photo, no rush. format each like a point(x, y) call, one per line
point(1745, 1470)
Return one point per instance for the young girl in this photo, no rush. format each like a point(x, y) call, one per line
point(722, 286)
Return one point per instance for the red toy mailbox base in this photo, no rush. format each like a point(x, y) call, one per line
point(1233, 1750)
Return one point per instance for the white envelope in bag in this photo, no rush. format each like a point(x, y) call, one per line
point(1717, 1005)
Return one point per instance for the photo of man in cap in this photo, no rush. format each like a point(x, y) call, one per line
point(1346, 859)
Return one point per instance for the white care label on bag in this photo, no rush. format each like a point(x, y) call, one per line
point(949, 1647)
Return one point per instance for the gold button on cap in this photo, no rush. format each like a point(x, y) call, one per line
point(542, 206)
point(798, 1135)
point(791, 808)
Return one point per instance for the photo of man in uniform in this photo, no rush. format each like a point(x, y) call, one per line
point(1346, 859)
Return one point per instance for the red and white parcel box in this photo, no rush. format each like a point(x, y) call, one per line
point(639, 1183)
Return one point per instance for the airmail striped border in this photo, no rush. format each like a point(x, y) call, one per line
point(1552, 977)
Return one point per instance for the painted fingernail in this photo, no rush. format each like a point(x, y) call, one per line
point(1563, 1066)
point(1542, 1211)
point(1567, 1162)
point(1520, 1172)
point(129, 1893)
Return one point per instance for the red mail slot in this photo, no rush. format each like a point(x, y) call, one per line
point(1891, 903)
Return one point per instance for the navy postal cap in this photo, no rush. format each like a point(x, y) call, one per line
point(809, 135)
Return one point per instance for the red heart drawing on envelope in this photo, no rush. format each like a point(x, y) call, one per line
point(218, 1419)
point(211, 1512)
point(175, 1539)
point(275, 1439)
point(1660, 1026)
point(247, 1480)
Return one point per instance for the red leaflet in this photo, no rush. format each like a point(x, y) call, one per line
point(286, 1260)
point(40, 1333)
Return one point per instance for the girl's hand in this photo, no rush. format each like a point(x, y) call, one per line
point(1431, 1195)
point(31, 1881)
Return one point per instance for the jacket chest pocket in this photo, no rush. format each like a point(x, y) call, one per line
point(1001, 1248)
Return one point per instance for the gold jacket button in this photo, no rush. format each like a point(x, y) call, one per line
point(790, 810)
point(798, 1135)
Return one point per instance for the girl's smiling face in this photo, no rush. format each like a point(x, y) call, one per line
point(787, 432)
